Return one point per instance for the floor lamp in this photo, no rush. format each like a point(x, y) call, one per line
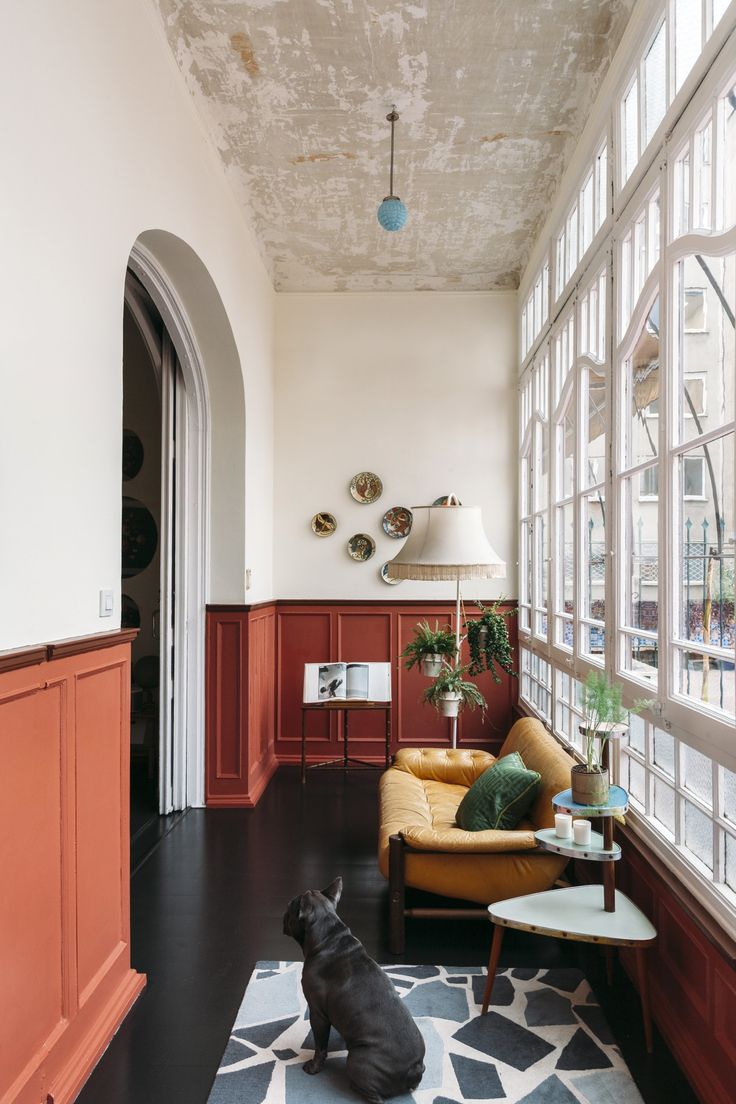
point(447, 543)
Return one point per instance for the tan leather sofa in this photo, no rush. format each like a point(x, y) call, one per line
point(420, 846)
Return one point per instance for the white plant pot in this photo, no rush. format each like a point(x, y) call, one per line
point(431, 665)
point(450, 705)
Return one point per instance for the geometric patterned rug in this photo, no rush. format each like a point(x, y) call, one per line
point(544, 1041)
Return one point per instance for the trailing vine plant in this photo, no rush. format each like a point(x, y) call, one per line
point(488, 641)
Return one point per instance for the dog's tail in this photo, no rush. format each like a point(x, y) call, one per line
point(414, 1075)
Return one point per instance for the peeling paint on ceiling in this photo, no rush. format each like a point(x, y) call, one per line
point(492, 95)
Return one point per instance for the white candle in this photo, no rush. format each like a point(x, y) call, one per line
point(581, 832)
point(563, 825)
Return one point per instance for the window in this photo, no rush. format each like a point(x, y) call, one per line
point(535, 312)
point(658, 75)
point(583, 221)
point(629, 457)
point(694, 311)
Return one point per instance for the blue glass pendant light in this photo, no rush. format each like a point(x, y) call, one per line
point(392, 213)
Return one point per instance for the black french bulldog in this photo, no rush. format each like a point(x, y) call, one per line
point(347, 990)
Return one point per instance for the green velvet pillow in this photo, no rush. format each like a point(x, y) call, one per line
point(501, 797)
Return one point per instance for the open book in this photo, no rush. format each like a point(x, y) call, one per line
point(347, 682)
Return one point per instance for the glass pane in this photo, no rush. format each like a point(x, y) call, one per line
point(719, 7)
point(655, 85)
point(630, 120)
point(637, 733)
point(664, 752)
point(526, 562)
point(594, 555)
point(705, 289)
point(726, 180)
point(682, 195)
point(542, 565)
point(586, 215)
point(664, 805)
point(697, 835)
point(601, 188)
point(703, 169)
point(565, 563)
point(706, 510)
point(730, 862)
point(697, 772)
point(566, 454)
point(641, 383)
point(634, 779)
point(688, 37)
point(593, 457)
point(727, 786)
point(542, 455)
point(641, 552)
point(707, 680)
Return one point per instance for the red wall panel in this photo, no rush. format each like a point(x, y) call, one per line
point(312, 632)
point(240, 706)
point(691, 974)
point(64, 830)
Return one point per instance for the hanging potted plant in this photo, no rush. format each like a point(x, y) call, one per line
point(429, 648)
point(604, 716)
point(488, 641)
point(450, 692)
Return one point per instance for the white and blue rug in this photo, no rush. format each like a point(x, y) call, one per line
point(544, 1041)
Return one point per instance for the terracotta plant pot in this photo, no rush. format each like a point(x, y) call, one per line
point(450, 705)
point(431, 665)
point(589, 787)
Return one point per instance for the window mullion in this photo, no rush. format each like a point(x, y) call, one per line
point(669, 564)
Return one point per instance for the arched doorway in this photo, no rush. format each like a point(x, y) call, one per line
point(181, 320)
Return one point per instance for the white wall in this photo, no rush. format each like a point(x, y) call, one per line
point(100, 143)
point(417, 387)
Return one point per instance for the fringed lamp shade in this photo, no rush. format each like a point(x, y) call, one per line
point(447, 542)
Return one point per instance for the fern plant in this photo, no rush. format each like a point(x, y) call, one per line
point(428, 641)
point(451, 680)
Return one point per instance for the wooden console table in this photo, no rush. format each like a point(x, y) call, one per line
point(346, 708)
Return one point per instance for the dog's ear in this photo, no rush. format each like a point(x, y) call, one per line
point(333, 892)
point(306, 906)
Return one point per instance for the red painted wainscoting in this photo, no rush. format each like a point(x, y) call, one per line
point(255, 669)
point(691, 969)
point(65, 976)
point(240, 703)
point(692, 972)
point(312, 632)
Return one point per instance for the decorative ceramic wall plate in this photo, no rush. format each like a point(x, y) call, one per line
point(384, 576)
point(443, 500)
point(130, 614)
point(361, 547)
point(324, 524)
point(132, 454)
point(139, 537)
point(397, 522)
point(366, 487)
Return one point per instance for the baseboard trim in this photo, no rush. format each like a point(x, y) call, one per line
point(67, 1087)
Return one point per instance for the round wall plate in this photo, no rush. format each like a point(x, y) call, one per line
point(444, 500)
point(397, 522)
point(366, 487)
point(384, 576)
point(324, 524)
point(361, 547)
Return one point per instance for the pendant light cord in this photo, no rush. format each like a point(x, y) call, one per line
point(392, 117)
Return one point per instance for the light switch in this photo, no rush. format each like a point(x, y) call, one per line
point(248, 578)
point(107, 603)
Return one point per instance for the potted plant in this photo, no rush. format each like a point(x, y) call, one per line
point(604, 715)
point(429, 648)
point(450, 692)
point(488, 641)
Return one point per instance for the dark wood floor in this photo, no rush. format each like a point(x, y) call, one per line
point(208, 902)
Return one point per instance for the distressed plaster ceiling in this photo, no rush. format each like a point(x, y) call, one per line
point(492, 95)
